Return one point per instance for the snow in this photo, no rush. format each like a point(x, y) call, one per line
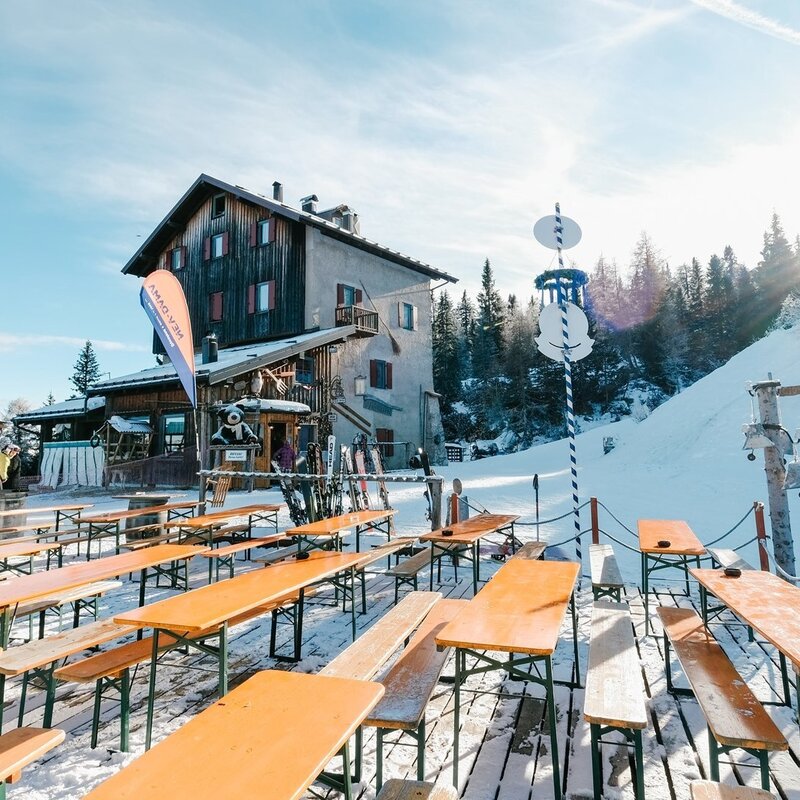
point(684, 460)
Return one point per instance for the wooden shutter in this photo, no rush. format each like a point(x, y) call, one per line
point(225, 239)
point(384, 436)
point(168, 259)
point(415, 319)
point(254, 234)
point(271, 295)
point(251, 299)
point(388, 375)
point(373, 373)
point(400, 315)
point(273, 225)
point(359, 297)
point(215, 306)
point(207, 248)
point(339, 294)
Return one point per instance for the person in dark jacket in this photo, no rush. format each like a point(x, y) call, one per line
point(13, 467)
point(285, 456)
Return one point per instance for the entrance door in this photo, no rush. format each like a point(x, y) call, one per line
point(277, 436)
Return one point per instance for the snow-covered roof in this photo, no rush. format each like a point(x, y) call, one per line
point(67, 408)
point(281, 406)
point(232, 361)
point(122, 425)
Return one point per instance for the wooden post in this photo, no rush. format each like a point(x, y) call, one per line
point(595, 522)
point(761, 535)
point(782, 543)
point(435, 489)
point(454, 509)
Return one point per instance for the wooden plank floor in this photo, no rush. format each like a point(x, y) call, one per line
point(504, 740)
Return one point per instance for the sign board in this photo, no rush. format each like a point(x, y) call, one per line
point(551, 339)
point(236, 455)
point(545, 232)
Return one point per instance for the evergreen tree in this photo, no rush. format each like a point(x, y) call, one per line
point(465, 319)
point(717, 305)
point(86, 370)
point(446, 362)
point(520, 331)
point(487, 350)
point(777, 274)
point(50, 399)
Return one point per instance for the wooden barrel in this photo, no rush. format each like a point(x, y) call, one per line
point(145, 500)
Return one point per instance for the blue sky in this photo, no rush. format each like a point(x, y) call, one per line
point(450, 126)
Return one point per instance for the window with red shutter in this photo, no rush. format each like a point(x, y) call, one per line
point(251, 299)
point(254, 234)
point(385, 437)
point(225, 243)
point(207, 248)
point(380, 374)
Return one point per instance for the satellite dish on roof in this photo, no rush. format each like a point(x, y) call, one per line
point(545, 232)
point(550, 339)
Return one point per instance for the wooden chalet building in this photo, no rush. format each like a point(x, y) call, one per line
point(322, 329)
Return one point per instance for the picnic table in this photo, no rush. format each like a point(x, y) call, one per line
point(767, 603)
point(330, 530)
point(665, 544)
point(70, 511)
point(210, 608)
point(108, 523)
point(28, 549)
point(519, 613)
point(42, 584)
point(272, 736)
point(466, 537)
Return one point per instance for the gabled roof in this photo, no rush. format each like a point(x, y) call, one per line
point(76, 407)
point(231, 362)
point(145, 260)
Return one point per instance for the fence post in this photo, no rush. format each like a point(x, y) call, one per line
point(761, 535)
point(595, 523)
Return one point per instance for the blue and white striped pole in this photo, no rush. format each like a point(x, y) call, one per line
point(573, 459)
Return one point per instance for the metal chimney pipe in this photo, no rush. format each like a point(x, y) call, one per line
point(277, 191)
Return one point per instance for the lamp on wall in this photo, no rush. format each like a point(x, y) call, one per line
point(360, 386)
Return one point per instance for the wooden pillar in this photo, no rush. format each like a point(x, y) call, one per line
point(761, 535)
point(595, 522)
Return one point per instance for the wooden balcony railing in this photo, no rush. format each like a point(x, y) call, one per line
point(365, 320)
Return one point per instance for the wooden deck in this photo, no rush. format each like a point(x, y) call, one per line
point(504, 750)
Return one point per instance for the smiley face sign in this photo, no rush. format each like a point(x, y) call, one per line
point(551, 339)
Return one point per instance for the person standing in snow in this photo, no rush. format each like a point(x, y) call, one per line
point(285, 456)
point(10, 467)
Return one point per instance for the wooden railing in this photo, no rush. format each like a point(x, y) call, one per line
point(365, 320)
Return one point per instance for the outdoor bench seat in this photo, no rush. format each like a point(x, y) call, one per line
point(415, 790)
point(709, 790)
point(615, 692)
point(226, 556)
point(21, 747)
point(606, 576)
point(405, 573)
point(531, 551)
point(279, 554)
point(409, 685)
point(734, 715)
point(727, 558)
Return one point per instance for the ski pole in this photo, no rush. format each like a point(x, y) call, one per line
point(536, 494)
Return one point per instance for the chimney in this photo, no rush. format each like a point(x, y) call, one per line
point(348, 218)
point(309, 204)
point(210, 348)
point(277, 191)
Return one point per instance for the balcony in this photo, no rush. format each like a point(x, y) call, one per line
point(364, 319)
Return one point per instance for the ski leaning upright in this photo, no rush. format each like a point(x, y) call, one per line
point(377, 463)
point(294, 500)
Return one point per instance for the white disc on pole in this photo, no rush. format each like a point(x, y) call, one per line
point(545, 232)
point(551, 338)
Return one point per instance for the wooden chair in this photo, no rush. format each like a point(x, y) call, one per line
point(221, 484)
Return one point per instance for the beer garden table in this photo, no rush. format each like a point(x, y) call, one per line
point(331, 529)
point(71, 512)
point(519, 612)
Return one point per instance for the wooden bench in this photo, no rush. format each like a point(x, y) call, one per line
point(615, 692)
point(111, 668)
point(78, 598)
point(406, 572)
point(727, 558)
point(708, 790)
point(21, 747)
point(410, 683)
point(226, 556)
point(531, 550)
point(277, 555)
point(735, 717)
point(606, 576)
point(415, 790)
point(40, 656)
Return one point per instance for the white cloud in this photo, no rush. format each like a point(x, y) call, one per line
point(751, 19)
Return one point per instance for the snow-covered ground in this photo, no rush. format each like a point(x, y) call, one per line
point(684, 461)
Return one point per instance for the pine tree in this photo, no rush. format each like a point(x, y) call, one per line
point(520, 331)
point(51, 400)
point(86, 370)
point(446, 362)
point(717, 305)
point(465, 319)
point(777, 274)
point(487, 350)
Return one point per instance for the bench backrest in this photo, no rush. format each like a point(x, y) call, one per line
point(221, 485)
point(366, 656)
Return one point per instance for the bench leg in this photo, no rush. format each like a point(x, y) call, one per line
point(151, 695)
point(125, 710)
point(597, 766)
point(22, 697)
point(421, 750)
point(713, 757)
point(98, 698)
point(378, 759)
point(359, 754)
point(639, 760)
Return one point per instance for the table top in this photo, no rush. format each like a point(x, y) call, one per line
point(471, 529)
point(26, 548)
point(766, 602)
point(278, 730)
point(31, 587)
point(41, 509)
point(127, 513)
point(148, 495)
point(681, 537)
point(335, 525)
point(211, 605)
point(520, 610)
point(219, 517)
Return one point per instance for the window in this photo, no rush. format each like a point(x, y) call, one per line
point(407, 316)
point(264, 226)
point(260, 297)
point(385, 437)
point(215, 306)
point(218, 205)
point(348, 295)
point(215, 246)
point(173, 431)
point(380, 374)
point(177, 258)
point(304, 371)
point(262, 232)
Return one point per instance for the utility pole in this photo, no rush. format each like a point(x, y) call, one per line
point(782, 543)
